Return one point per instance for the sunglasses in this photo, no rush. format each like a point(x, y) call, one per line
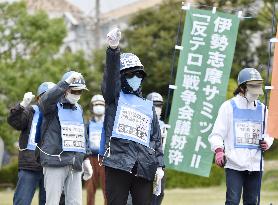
point(138, 73)
point(76, 92)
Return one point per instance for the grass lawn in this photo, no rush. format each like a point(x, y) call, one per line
point(198, 196)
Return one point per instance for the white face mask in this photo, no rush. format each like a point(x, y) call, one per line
point(158, 111)
point(251, 97)
point(134, 82)
point(98, 109)
point(73, 99)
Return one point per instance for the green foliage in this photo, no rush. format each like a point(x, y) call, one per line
point(270, 180)
point(151, 36)
point(29, 56)
point(231, 88)
point(152, 39)
point(264, 19)
point(8, 174)
point(175, 179)
point(272, 153)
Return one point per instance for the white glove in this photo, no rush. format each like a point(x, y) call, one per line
point(159, 174)
point(73, 77)
point(28, 97)
point(113, 38)
point(157, 183)
point(87, 169)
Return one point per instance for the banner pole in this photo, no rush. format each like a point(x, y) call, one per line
point(266, 98)
point(172, 67)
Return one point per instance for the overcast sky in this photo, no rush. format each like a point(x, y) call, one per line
point(88, 6)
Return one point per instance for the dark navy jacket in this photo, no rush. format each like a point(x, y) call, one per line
point(51, 140)
point(125, 154)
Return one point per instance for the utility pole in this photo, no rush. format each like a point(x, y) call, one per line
point(97, 24)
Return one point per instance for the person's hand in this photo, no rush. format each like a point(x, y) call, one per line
point(263, 145)
point(87, 169)
point(73, 77)
point(220, 157)
point(27, 99)
point(159, 174)
point(157, 181)
point(113, 38)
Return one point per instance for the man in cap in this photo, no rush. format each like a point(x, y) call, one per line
point(64, 144)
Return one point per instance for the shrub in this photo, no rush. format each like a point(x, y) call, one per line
point(270, 181)
point(8, 174)
point(175, 179)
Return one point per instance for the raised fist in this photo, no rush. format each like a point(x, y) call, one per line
point(27, 99)
point(113, 38)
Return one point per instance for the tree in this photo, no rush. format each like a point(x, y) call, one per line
point(151, 36)
point(29, 55)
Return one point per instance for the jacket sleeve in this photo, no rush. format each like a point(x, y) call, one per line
point(19, 117)
point(220, 128)
point(111, 84)
point(157, 138)
point(49, 100)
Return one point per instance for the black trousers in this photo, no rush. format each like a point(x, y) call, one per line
point(119, 183)
point(157, 200)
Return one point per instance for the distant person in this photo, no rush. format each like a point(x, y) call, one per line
point(158, 104)
point(237, 138)
point(24, 117)
point(94, 130)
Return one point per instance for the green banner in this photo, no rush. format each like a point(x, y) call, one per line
point(204, 66)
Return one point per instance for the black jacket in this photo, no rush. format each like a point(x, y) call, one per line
point(51, 140)
point(125, 154)
point(20, 118)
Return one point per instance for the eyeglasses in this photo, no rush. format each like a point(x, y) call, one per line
point(138, 73)
point(76, 92)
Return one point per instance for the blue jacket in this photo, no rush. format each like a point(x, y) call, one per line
point(125, 154)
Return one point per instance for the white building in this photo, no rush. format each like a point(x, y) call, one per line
point(85, 31)
point(79, 26)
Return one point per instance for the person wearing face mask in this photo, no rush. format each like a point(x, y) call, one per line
point(64, 146)
point(158, 104)
point(133, 149)
point(238, 138)
point(24, 117)
point(94, 130)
